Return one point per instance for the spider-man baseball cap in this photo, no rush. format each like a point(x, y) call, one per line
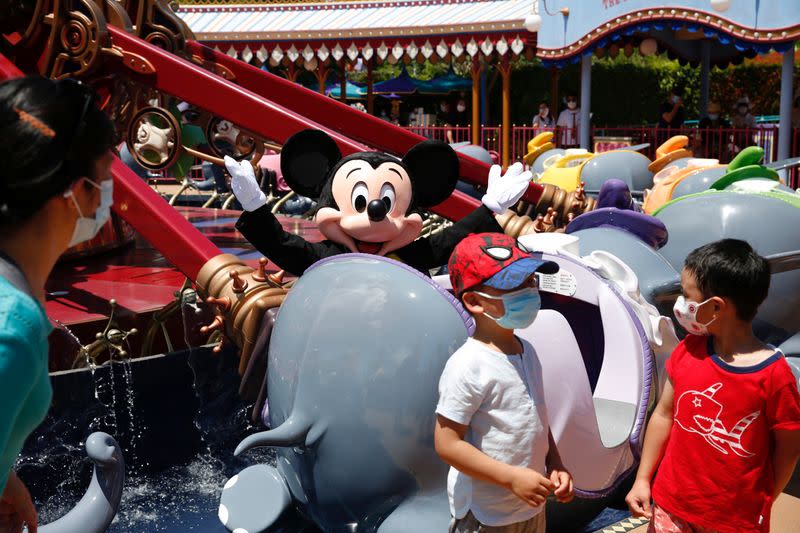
point(493, 259)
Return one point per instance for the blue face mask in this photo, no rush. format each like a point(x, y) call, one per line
point(521, 308)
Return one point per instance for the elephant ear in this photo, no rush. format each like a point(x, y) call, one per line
point(433, 168)
point(306, 160)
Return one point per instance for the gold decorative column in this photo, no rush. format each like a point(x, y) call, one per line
point(505, 71)
point(476, 101)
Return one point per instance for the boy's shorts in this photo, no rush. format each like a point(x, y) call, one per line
point(665, 522)
point(470, 524)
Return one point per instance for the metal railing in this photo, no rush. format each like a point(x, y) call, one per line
point(717, 143)
point(449, 134)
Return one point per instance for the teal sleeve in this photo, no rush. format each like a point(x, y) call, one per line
point(21, 368)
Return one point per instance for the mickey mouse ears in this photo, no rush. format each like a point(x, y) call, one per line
point(434, 170)
point(306, 159)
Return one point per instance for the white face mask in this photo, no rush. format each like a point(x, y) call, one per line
point(686, 314)
point(713, 116)
point(461, 108)
point(86, 228)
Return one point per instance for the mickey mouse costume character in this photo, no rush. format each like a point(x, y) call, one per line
point(367, 202)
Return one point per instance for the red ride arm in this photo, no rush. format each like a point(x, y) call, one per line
point(162, 226)
point(337, 116)
point(249, 109)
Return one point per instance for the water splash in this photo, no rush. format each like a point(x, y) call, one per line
point(135, 428)
point(178, 434)
point(116, 405)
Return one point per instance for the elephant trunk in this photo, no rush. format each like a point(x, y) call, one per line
point(95, 511)
point(292, 432)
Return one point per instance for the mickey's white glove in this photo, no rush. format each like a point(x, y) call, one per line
point(505, 191)
point(244, 184)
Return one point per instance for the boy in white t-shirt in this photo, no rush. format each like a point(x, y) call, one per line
point(491, 423)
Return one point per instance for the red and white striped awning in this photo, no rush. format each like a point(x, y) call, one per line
point(349, 30)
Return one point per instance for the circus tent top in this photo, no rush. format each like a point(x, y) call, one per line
point(732, 28)
point(387, 30)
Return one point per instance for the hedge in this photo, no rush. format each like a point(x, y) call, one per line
point(629, 91)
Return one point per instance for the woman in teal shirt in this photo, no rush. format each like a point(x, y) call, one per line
point(55, 191)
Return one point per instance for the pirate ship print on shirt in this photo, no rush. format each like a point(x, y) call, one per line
point(698, 412)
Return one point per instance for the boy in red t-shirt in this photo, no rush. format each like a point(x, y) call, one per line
point(728, 421)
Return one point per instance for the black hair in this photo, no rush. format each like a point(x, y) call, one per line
point(730, 268)
point(52, 134)
point(544, 102)
point(678, 91)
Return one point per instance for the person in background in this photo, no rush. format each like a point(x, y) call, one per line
point(742, 117)
point(543, 119)
point(671, 114)
point(569, 122)
point(55, 192)
point(461, 121)
point(461, 117)
point(445, 119)
point(712, 142)
point(742, 121)
point(796, 112)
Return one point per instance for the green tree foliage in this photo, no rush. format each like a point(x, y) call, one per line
point(425, 71)
point(629, 90)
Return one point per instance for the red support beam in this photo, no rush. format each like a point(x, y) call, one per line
point(332, 114)
point(8, 70)
point(217, 95)
point(163, 227)
point(258, 112)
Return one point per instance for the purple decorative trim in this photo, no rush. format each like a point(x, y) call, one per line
point(265, 414)
point(648, 229)
point(596, 495)
point(469, 322)
point(636, 437)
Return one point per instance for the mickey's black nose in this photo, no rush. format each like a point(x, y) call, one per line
point(376, 210)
